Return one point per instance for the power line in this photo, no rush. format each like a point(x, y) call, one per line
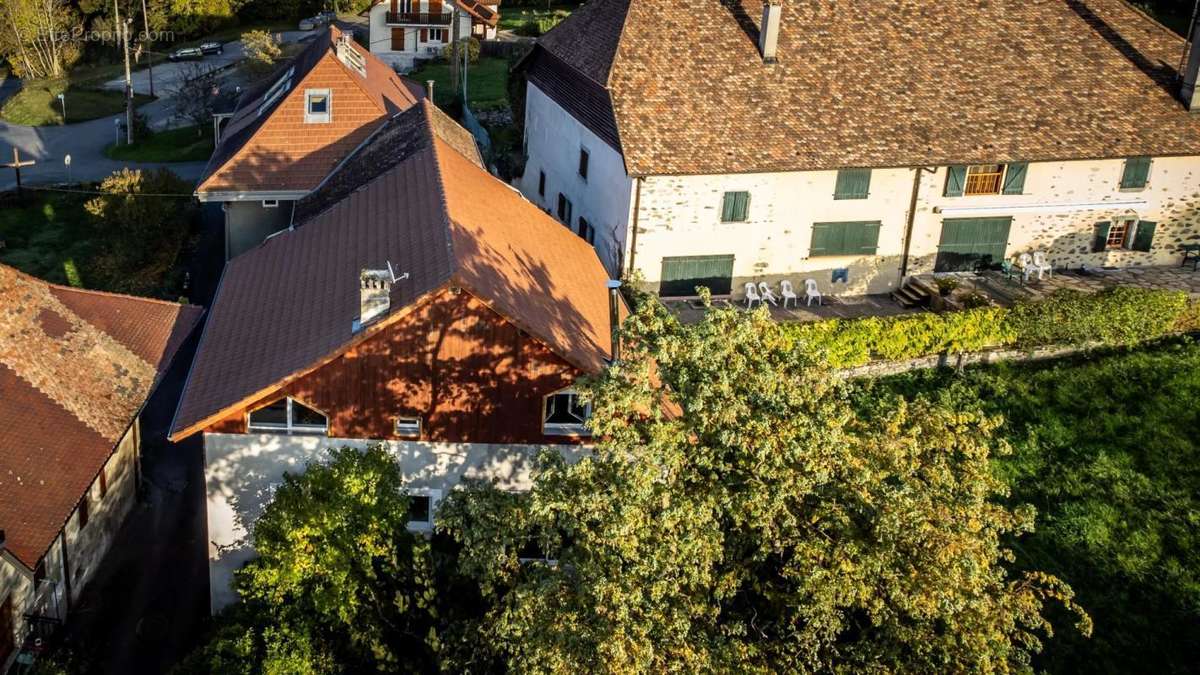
point(112, 194)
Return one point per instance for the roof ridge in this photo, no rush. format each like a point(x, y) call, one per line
point(355, 77)
point(612, 66)
point(437, 173)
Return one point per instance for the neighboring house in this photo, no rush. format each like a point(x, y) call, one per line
point(292, 131)
point(403, 32)
point(76, 368)
point(419, 302)
point(862, 142)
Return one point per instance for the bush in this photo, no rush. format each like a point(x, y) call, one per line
point(1121, 316)
point(261, 51)
point(451, 53)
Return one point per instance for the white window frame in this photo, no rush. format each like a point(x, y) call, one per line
point(289, 427)
point(270, 203)
point(318, 118)
point(565, 429)
point(441, 35)
point(409, 433)
point(435, 498)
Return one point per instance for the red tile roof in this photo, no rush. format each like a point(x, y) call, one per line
point(75, 368)
point(873, 84)
point(435, 216)
point(275, 150)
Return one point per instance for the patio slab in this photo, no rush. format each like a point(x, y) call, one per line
point(1005, 292)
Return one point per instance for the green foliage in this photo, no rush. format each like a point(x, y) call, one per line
point(143, 220)
point(452, 53)
point(1106, 448)
point(261, 51)
point(1120, 316)
point(760, 526)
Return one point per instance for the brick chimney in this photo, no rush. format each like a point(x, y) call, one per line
point(375, 288)
point(768, 30)
point(1191, 72)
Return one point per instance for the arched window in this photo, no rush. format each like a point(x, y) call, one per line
point(288, 416)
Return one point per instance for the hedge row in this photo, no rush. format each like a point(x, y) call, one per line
point(1120, 316)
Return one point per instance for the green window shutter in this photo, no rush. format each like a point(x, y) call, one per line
point(1143, 238)
point(956, 180)
point(1100, 236)
point(735, 207)
point(852, 184)
point(1137, 171)
point(1014, 178)
point(868, 238)
point(822, 242)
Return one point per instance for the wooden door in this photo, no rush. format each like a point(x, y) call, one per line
point(681, 275)
point(968, 244)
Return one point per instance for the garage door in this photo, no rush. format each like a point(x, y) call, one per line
point(970, 243)
point(681, 275)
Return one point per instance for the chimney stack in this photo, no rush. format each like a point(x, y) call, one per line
point(375, 287)
point(768, 31)
point(429, 89)
point(614, 316)
point(1191, 72)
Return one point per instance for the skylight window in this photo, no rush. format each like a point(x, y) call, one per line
point(316, 106)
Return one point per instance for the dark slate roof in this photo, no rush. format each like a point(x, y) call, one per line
point(874, 84)
point(585, 99)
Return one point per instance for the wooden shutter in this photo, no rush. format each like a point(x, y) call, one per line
point(735, 207)
point(956, 178)
point(1014, 178)
point(397, 39)
point(1100, 236)
point(868, 237)
point(1143, 238)
point(852, 184)
point(1136, 173)
point(822, 240)
point(681, 275)
point(424, 35)
point(435, 7)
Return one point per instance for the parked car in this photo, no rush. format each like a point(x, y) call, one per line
point(186, 54)
point(309, 24)
point(212, 48)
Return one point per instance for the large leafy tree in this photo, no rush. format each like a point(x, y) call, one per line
point(739, 514)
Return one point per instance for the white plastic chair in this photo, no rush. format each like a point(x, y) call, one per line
point(1025, 262)
point(788, 293)
point(765, 292)
point(1042, 265)
point(752, 295)
point(811, 291)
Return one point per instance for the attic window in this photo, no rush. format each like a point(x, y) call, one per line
point(316, 106)
point(288, 416)
point(281, 85)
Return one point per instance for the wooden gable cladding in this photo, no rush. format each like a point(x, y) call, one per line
point(469, 373)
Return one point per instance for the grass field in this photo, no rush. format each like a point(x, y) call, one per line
point(186, 144)
point(514, 18)
point(37, 103)
point(47, 235)
point(487, 83)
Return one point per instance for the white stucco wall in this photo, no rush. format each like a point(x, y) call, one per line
point(380, 37)
point(243, 470)
point(553, 139)
point(680, 216)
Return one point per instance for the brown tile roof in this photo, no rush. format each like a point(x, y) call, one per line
point(276, 150)
point(898, 83)
point(75, 368)
point(436, 216)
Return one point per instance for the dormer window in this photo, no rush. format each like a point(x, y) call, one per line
point(565, 414)
point(316, 106)
point(288, 416)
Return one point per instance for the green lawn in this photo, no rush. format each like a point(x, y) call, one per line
point(1107, 449)
point(186, 144)
point(37, 103)
point(515, 18)
point(48, 236)
point(487, 83)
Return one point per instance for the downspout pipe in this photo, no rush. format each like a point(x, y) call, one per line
point(637, 208)
point(911, 220)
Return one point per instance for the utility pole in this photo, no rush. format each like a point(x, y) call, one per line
point(146, 38)
point(16, 165)
point(124, 28)
point(455, 45)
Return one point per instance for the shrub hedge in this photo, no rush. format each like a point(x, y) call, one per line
point(1119, 316)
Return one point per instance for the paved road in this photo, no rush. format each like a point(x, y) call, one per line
point(168, 75)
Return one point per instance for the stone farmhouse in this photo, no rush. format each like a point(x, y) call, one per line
point(76, 368)
point(861, 143)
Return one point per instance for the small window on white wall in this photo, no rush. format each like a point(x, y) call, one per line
point(316, 106)
point(270, 203)
point(565, 414)
point(288, 416)
point(422, 508)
